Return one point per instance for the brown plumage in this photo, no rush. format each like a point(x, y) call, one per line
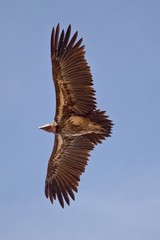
point(78, 125)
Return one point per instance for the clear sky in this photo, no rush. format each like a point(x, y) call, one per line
point(119, 194)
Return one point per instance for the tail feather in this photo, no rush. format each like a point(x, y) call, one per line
point(106, 124)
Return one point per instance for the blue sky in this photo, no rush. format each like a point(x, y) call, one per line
point(119, 194)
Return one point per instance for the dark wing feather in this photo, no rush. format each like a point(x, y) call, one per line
point(66, 164)
point(71, 75)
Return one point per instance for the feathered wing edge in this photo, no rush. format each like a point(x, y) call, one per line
point(71, 75)
point(65, 167)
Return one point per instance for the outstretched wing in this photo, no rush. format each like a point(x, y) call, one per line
point(67, 162)
point(71, 75)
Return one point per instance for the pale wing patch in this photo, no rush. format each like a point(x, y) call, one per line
point(60, 142)
point(61, 105)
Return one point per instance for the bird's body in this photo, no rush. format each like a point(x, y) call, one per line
point(74, 126)
point(78, 124)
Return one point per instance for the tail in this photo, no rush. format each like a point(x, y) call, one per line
point(105, 124)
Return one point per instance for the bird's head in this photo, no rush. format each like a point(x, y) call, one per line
point(49, 127)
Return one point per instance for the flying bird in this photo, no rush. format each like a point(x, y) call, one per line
point(78, 124)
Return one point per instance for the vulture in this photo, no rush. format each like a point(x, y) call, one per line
point(78, 124)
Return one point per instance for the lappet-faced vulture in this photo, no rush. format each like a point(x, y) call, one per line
point(78, 125)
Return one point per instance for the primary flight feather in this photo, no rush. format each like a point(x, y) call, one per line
point(78, 125)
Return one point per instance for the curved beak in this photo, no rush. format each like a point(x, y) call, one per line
point(48, 128)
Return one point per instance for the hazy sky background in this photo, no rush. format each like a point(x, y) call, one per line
point(119, 194)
